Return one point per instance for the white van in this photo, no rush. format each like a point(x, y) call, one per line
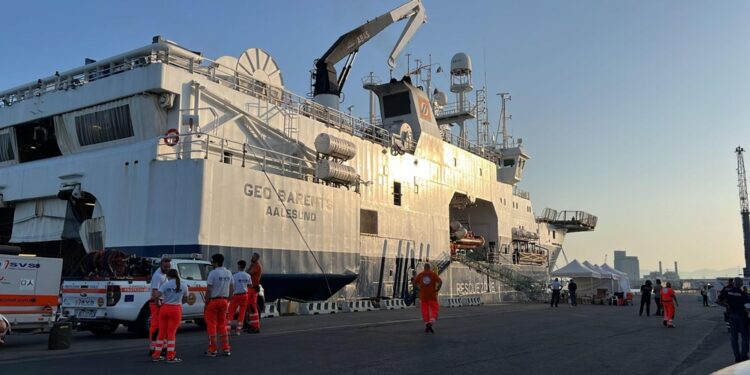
point(29, 291)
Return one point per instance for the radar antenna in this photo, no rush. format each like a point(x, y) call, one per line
point(504, 117)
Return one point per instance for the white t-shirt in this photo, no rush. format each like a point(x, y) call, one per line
point(556, 285)
point(169, 293)
point(219, 279)
point(158, 279)
point(241, 279)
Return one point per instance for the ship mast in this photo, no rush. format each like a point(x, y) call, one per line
point(504, 97)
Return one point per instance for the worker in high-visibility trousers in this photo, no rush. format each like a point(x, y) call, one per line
point(158, 278)
point(241, 281)
point(172, 296)
point(668, 302)
point(219, 289)
point(252, 295)
point(429, 284)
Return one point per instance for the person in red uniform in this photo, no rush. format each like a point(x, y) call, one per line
point(158, 278)
point(241, 281)
point(252, 294)
point(219, 289)
point(668, 302)
point(171, 297)
point(429, 284)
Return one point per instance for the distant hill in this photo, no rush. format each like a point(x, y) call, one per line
point(709, 273)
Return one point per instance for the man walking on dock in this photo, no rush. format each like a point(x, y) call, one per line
point(668, 303)
point(429, 284)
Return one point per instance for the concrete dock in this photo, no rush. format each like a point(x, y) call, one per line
point(506, 338)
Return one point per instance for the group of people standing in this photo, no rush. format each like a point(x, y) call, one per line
point(226, 295)
point(664, 299)
point(556, 287)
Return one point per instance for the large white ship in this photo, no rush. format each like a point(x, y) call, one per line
point(161, 150)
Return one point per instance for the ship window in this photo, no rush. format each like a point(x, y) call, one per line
point(396, 104)
point(509, 163)
point(397, 193)
point(227, 158)
point(368, 221)
point(37, 140)
point(104, 126)
point(6, 147)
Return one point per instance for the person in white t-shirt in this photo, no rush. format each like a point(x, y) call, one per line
point(158, 278)
point(241, 281)
point(171, 297)
point(556, 288)
point(219, 289)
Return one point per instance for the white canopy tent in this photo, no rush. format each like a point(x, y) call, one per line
point(623, 282)
point(586, 278)
point(607, 280)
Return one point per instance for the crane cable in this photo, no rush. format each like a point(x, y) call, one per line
point(296, 226)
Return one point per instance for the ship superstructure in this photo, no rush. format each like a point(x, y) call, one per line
point(161, 150)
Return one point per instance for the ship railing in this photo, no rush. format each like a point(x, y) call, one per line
point(205, 146)
point(521, 193)
point(455, 108)
point(95, 70)
point(171, 54)
point(531, 287)
point(288, 102)
point(465, 144)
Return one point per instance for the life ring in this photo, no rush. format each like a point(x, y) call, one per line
point(172, 137)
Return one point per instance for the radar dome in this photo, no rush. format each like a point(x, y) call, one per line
point(460, 64)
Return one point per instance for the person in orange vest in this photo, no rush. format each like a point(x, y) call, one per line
point(668, 303)
point(429, 284)
point(158, 278)
point(172, 296)
point(256, 270)
point(241, 281)
point(219, 289)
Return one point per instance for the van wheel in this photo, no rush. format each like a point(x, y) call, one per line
point(200, 322)
point(140, 326)
point(104, 329)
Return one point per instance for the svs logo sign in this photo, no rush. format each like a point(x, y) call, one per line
point(7, 264)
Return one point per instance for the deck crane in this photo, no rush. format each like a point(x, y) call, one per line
point(327, 86)
point(744, 208)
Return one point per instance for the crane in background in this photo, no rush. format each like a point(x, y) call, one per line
point(744, 208)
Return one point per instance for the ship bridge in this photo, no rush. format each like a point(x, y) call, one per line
point(572, 221)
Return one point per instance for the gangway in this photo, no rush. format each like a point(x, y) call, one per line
point(531, 287)
point(572, 221)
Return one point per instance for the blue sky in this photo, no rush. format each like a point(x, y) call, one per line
point(630, 110)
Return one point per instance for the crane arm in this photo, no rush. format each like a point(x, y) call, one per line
point(326, 81)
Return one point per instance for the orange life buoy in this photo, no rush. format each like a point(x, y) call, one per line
point(172, 137)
